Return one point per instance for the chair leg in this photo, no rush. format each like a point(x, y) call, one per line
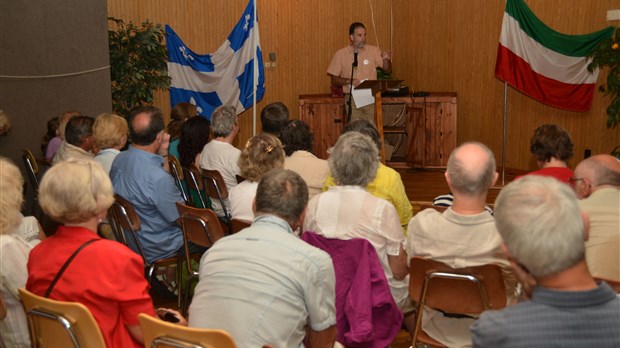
point(188, 282)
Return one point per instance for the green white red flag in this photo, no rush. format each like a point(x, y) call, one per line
point(544, 64)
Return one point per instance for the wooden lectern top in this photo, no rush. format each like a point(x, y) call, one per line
point(378, 85)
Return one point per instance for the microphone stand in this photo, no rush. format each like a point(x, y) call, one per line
point(350, 103)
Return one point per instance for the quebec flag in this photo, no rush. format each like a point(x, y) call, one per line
point(224, 77)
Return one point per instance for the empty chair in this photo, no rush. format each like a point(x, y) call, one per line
point(158, 333)
point(201, 227)
point(177, 174)
point(60, 324)
point(464, 291)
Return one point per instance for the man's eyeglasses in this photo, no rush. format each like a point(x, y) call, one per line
point(575, 179)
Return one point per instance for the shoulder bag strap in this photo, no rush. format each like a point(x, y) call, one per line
point(64, 267)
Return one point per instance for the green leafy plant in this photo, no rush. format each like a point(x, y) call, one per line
point(607, 55)
point(138, 63)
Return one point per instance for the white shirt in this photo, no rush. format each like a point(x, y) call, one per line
point(241, 198)
point(14, 251)
point(346, 212)
point(223, 157)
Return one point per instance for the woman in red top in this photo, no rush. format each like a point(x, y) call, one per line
point(553, 147)
point(105, 276)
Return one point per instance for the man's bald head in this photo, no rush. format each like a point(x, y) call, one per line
point(144, 125)
point(599, 170)
point(471, 169)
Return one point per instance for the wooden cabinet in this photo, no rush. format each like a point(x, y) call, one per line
point(326, 117)
point(428, 125)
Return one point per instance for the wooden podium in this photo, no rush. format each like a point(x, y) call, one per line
point(377, 87)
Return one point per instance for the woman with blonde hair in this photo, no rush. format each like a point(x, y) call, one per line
point(110, 133)
point(105, 276)
point(18, 234)
point(262, 153)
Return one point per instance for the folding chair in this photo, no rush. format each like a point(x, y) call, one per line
point(177, 174)
point(216, 189)
point(32, 169)
point(194, 182)
point(201, 227)
point(126, 222)
point(158, 333)
point(466, 291)
point(60, 324)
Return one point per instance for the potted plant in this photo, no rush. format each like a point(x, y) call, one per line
point(607, 54)
point(138, 63)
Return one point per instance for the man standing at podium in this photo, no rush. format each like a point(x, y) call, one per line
point(363, 60)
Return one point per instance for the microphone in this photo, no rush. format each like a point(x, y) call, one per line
point(355, 57)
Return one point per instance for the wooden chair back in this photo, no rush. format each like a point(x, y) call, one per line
point(123, 218)
point(237, 225)
point(177, 174)
point(466, 291)
point(200, 226)
point(214, 184)
point(60, 324)
point(195, 182)
point(159, 334)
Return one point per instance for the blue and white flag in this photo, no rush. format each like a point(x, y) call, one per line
point(225, 77)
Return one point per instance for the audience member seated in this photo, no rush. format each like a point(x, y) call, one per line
point(348, 211)
point(552, 147)
point(18, 234)
point(263, 284)
point(597, 183)
point(273, 117)
point(55, 142)
point(219, 154)
point(5, 124)
point(79, 141)
point(195, 134)
point(543, 232)
point(387, 183)
point(179, 114)
point(138, 175)
point(110, 133)
point(105, 276)
point(51, 140)
point(262, 153)
point(297, 139)
point(463, 235)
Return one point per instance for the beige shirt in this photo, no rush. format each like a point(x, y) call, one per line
point(67, 151)
point(368, 59)
point(312, 169)
point(458, 241)
point(603, 244)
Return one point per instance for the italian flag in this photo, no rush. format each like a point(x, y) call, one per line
point(544, 64)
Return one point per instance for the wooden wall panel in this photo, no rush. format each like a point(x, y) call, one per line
point(438, 45)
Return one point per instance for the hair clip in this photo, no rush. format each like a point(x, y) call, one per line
point(268, 148)
point(248, 143)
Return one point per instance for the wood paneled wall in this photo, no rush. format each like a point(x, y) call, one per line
point(437, 45)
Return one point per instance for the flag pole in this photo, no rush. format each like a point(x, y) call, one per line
point(504, 133)
point(255, 70)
